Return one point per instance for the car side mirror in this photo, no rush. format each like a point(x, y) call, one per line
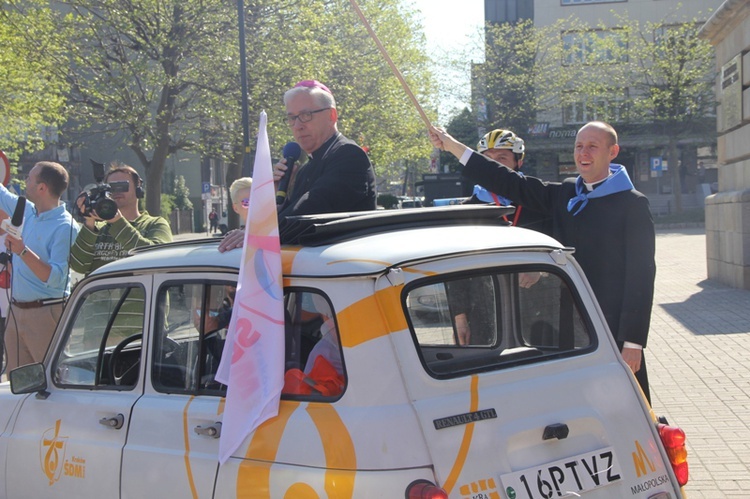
point(28, 379)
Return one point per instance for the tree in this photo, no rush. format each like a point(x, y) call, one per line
point(463, 127)
point(677, 85)
point(33, 98)
point(658, 76)
point(181, 194)
point(373, 108)
point(665, 77)
point(144, 69)
point(163, 75)
point(521, 76)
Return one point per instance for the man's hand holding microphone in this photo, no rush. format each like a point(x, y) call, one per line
point(282, 173)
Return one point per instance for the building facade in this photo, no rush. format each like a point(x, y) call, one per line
point(728, 211)
point(643, 146)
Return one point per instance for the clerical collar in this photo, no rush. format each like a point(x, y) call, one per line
point(617, 181)
point(326, 147)
point(591, 186)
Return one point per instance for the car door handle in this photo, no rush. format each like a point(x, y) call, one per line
point(114, 422)
point(557, 430)
point(213, 430)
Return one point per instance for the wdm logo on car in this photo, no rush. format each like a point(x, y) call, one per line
point(52, 453)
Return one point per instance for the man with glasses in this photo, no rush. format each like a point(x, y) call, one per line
point(103, 241)
point(337, 177)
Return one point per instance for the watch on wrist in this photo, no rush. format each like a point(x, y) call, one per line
point(24, 251)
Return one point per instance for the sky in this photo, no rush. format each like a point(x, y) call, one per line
point(447, 24)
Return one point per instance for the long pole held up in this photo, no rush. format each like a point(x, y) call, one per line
point(388, 59)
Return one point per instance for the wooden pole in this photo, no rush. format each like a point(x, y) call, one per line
point(388, 59)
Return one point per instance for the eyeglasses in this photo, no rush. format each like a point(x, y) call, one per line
point(245, 203)
point(303, 117)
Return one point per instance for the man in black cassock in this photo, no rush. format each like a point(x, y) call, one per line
point(601, 215)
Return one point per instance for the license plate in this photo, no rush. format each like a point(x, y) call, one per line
point(566, 477)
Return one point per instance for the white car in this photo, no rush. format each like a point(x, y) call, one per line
point(531, 401)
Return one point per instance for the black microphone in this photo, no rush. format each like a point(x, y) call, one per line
point(291, 153)
point(13, 226)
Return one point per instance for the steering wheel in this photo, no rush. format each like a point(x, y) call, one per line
point(131, 373)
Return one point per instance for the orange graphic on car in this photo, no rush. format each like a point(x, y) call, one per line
point(52, 452)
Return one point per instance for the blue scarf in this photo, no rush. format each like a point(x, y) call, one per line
point(486, 196)
point(483, 194)
point(617, 181)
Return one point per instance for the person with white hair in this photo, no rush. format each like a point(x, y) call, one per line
point(338, 176)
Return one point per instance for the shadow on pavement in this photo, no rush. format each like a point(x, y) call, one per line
point(716, 309)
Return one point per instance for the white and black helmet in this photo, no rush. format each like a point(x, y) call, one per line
point(503, 139)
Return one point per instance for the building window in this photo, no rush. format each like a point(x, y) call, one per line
point(595, 47)
point(584, 109)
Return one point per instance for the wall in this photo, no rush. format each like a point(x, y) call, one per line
point(728, 211)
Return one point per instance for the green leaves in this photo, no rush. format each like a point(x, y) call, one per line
point(33, 97)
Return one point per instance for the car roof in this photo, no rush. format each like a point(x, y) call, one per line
point(355, 244)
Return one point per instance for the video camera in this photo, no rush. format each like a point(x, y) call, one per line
point(97, 197)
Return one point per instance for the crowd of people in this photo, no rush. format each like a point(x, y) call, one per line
point(599, 212)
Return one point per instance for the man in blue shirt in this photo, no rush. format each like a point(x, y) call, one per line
point(41, 277)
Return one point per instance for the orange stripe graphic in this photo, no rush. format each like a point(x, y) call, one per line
point(253, 478)
point(341, 458)
point(463, 450)
point(186, 437)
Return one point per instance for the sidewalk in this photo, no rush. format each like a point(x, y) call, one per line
point(698, 368)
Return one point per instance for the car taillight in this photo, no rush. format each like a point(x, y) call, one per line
point(422, 489)
point(674, 443)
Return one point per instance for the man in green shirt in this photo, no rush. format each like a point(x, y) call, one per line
point(102, 241)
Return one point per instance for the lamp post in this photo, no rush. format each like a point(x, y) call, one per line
point(246, 168)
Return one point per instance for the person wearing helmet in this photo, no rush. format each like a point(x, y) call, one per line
point(601, 215)
point(508, 149)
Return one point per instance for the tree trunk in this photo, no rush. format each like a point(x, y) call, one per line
point(234, 171)
point(153, 188)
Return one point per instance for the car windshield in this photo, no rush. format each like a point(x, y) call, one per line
point(495, 319)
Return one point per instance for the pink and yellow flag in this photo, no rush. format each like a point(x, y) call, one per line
point(252, 364)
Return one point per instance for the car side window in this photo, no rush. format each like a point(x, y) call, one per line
point(314, 364)
point(494, 319)
point(189, 342)
point(189, 339)
point(103, 342)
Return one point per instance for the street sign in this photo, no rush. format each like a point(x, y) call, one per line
point(4, 169)
point(206, 188)
point(657, 166)
point(656, 163)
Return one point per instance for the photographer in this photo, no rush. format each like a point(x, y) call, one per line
point(103, 240)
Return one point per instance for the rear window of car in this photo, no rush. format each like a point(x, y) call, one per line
point(496, 319)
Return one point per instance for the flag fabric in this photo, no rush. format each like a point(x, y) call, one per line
point(252, 363)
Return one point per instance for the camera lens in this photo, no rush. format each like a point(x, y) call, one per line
point(106, 208)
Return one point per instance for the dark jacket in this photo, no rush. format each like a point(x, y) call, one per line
point(337, 178)
point(613, 237)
